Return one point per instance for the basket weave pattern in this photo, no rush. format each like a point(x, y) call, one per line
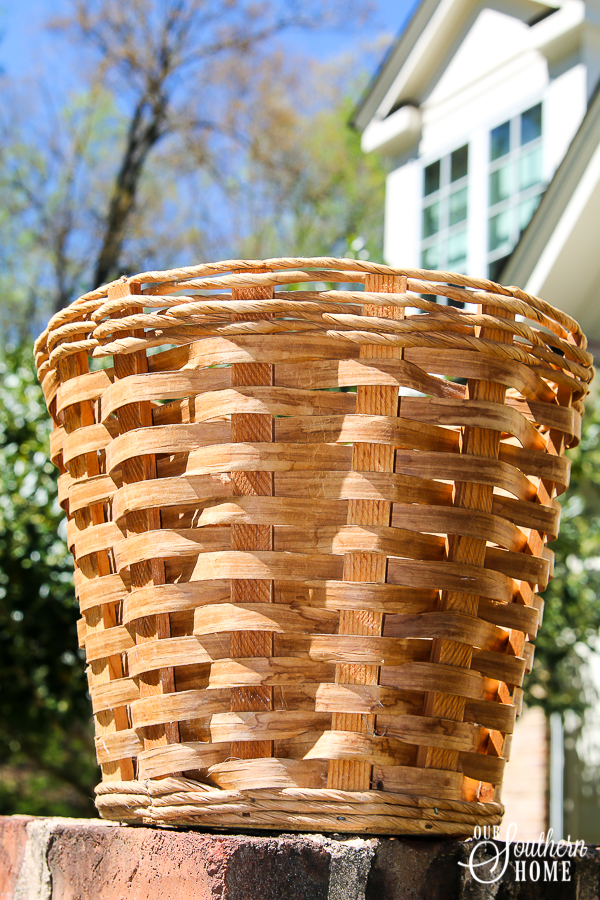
point(309, 527)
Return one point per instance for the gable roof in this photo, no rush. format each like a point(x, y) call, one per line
point(429, 35)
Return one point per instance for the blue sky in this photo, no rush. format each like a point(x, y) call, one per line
point(25, 43)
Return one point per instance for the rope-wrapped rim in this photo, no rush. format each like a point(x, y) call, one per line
point(93, 323)
point(181, 801)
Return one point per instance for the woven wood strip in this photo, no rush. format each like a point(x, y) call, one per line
point(106, 666)
point(310, 530)
point(251, 427)
point(498, 740)
point(466, 551)
point(133, 416)
point(366, 566)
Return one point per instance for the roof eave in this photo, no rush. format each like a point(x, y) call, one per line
point(392, 63)
point(376, 101)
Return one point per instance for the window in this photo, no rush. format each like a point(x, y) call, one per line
point(515, 182)
point(444, 226)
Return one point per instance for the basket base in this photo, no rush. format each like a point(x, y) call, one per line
point(181, 801)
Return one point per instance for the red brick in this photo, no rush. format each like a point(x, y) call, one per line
point(13, 839)
point(99, 863)
point(93, 862)
point(70, 859)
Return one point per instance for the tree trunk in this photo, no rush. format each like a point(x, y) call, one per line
point(146, 129)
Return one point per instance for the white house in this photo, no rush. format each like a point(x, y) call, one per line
point(477, 104)
point(488, 113)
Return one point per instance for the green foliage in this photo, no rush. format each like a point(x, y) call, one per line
point(312, 191)
point(572, 611)
point(46, 744)
point(53, 175)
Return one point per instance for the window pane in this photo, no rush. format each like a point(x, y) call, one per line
point(431, 219)
point(457, 250)
point(432, 178)
point(527, 209)
point(531, 124)
point(430, 257)
point(530, 169)
point(500, 184)
point(459, 163)
point(500, 230)
point(496, 267)
point(458, 206)
point(500, 140)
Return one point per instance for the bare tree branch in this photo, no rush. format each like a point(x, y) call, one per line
point(185, 139)
point(162, 50)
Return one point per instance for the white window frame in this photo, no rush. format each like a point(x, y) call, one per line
point(447, 187)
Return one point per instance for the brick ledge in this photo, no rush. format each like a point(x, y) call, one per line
point(87, 859)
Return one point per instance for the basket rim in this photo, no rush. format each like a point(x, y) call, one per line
point(183, 801)
point(88, 324)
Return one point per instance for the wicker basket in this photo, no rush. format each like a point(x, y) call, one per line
point(307, 602)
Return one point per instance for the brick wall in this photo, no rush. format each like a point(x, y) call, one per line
point(71, 859)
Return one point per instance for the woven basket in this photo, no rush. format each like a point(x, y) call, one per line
point(307, 602)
